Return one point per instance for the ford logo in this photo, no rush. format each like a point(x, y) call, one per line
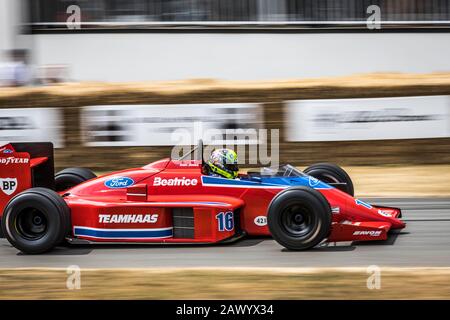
point(119, 182)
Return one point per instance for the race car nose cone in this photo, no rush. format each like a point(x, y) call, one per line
point(397, 223)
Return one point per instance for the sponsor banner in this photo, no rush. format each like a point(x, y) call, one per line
point(31, 125)
point(368, 119)
point(168, 125)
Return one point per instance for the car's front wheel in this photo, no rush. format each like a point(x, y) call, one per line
point(299, 218)
point(36, 220)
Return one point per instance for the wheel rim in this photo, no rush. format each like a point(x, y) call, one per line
point(31, 224)
point(297, 220)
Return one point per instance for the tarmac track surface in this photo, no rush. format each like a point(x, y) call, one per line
point(424, 242)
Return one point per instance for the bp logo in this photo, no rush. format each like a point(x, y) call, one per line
point(8, 185)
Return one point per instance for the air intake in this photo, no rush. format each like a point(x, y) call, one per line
point(183, 223)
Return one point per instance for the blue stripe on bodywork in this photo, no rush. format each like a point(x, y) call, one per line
point(125, 234)
point(268, 182)
point(233, 182)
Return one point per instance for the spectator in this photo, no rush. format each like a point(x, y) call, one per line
point(16, 71)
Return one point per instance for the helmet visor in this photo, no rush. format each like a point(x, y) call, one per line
point(231, 167)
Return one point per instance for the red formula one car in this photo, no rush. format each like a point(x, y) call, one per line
point(173, 201)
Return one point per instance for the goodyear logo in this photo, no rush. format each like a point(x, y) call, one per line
point(13, 160)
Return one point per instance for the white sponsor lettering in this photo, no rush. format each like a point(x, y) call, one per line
point(127, 218)
point(13, 160)
point(8, 185)
point(174, 182)
point(372, 233)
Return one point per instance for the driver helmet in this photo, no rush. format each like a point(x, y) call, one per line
point(224, 163)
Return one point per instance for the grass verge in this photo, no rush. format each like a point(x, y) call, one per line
point(401, 181)
point(253, 283)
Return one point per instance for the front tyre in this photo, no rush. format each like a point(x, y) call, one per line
point(36, 220)
point(299, 218)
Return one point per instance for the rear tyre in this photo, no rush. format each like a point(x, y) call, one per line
point(331, 173)
point(71, 177)
point(299, 218)
point(36, 220)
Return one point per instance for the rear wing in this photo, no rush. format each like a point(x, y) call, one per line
point(24, 165)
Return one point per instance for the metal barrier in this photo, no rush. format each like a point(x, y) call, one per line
point(148, 14)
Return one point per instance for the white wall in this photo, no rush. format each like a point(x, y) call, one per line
point(12, 15)
point(150, 56)
point(6, 28)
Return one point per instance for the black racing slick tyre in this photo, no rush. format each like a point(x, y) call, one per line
point(299, 218)
point(331, 173)
point(36, 220)
point(71, 177)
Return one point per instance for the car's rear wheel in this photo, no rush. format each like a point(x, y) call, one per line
point(36, 220)
point(299, 218)
point(71, 177)
point(331, 173)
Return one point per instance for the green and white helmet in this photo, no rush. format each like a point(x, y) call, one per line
point(224, 162)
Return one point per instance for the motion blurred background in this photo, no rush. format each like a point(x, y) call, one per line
point(140, 40)
point(365, 84)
